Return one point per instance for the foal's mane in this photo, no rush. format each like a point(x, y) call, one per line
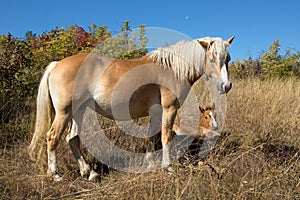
point(187, 58)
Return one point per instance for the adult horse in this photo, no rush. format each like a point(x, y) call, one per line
point(63, 97)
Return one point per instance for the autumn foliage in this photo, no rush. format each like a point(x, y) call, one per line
point(24, 60)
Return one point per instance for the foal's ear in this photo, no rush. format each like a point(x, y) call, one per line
point(201, 109)
point(211, 106)
point(229, 41)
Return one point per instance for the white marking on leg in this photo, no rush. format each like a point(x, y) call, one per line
point(52, 167)
point(52, 162)
point(166, 156)
point(83, 166)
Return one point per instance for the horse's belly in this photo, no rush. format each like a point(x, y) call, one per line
point(126, 105)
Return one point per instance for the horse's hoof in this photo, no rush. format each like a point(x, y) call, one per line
point(150, 166)
point(201, 164)
point(84, 173)
point(165, 163)
point(57, 178)
point(149, 163)
point(93, 176)
point(171, 171)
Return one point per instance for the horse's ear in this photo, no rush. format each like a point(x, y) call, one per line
point(229, 41)
point(201, 109)
point(204, 44)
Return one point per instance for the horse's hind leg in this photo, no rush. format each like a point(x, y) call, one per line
point(74, 142)
point(53, 137)
point(153, 135)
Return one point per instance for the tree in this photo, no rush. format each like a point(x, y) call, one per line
point(276, 65)
point(29, 35)
point(124, 45)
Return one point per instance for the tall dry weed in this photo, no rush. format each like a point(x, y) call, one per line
point(256, 157)
point(264, 110)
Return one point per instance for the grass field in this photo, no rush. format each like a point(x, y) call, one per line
point(257, 156)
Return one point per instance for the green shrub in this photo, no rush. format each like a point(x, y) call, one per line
point(270, 65)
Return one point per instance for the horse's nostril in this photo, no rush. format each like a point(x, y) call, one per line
point(214, 126)
point(227, 87)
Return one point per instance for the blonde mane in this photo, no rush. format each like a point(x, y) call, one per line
point(187, 58)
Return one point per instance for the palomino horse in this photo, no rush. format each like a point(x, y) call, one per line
point(72, 84)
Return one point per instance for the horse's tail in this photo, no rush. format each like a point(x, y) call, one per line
point(44, 118)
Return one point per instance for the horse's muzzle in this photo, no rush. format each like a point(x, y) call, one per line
point(214, 127)
point(223, 88)
point(226, 87)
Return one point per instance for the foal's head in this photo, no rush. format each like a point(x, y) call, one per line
point(207, 120)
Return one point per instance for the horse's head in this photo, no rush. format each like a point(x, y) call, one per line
point(216, 61)
point(207, 119)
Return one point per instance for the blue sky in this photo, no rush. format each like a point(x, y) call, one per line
point(256, 23)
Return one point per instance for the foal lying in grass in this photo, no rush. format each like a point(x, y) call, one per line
point(207, 128)
point(207, 124)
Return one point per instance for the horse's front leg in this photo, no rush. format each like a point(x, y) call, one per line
point(168, 117)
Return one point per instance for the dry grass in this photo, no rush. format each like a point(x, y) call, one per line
point(257, 157)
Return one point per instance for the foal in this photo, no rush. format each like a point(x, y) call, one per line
point(207, 125)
